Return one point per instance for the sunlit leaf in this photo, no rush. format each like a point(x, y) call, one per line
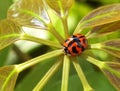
point(8, 77)
point(60, 6)
point(100, 16)
point(103, 29)
point(9, 32)
point(112, 47)
point(28, 13)
point(112, 72)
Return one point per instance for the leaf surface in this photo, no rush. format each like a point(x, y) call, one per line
point(8, 77)
point(105, 29)
point(113, 75)
point(29, 13)
point(100, 16)
point(112, 47)
point(9, 32)
point(60, 6)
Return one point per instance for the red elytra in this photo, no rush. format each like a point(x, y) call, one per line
point(75, 44)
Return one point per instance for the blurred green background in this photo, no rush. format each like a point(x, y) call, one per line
point(29, 78)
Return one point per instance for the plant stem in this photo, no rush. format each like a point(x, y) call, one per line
point(39, 40)
point(111, 47)
point(50, 26)
point(65, 25)
point(55, 33)
point(96, 46)
point(81, 75)
point(47, 76)
point(36, 60)
point(111, 52)
point(96, 62)
point(65, 75)
point(78, 29)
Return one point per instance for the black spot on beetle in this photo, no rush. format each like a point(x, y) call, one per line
point(74, 50)
point(66, 50)
point(81, 36)
point(82, 48)
point(74, 36)
point(84, 41)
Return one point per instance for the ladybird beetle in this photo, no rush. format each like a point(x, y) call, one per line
point(75, 44)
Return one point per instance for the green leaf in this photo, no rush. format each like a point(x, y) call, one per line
point(61, 7)
point(104, 29)
point(103, 37)
point(29, 13)
point(4, 55)
point(112, 72)
point(9, 32)
point(8, 77)
point(110, 69)
point(4, 5)
point(38, 72)
point(48, 75)
point(112, 47)
point(100, 16)
point(86, 85)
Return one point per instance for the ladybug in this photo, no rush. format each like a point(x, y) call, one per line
point(75, 44)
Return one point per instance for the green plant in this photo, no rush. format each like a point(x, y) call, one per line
point(101, 28)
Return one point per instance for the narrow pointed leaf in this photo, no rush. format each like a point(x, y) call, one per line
point(8, 77)
point(100, 16)
point(9, 32)
point(112, 47)
point(112, 72)
point(28, 13)
point(103, 29)
point(60, 6)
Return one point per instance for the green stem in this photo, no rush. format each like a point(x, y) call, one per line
point(65, 75)
point(111, 52)
point(94, 61)
point(16, 36)
point(81, 75)
point(50, 26)
point(39, 40)
point(55, 33)
point(65, 25)
point(111, 47)
point(47, 76)
point(96, 46)
point(61, 8)
point(89, 35)
point(36, 60)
